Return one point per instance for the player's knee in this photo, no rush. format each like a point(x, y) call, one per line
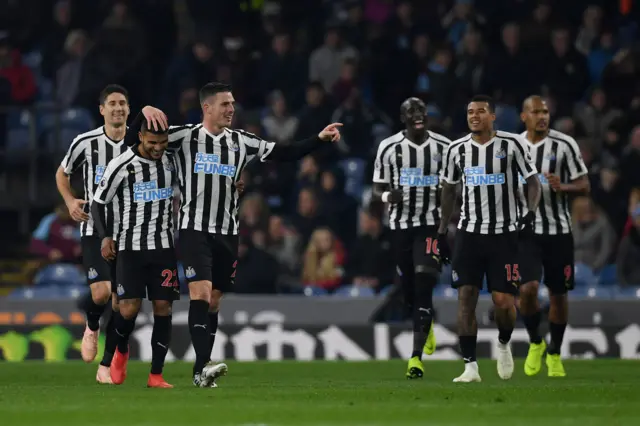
point(529, 291)
point(503, 300)
point(200, 290)
point(214, 301)
point(101, 292)
point(129, 308)
point(114, 304)
point(162, 308)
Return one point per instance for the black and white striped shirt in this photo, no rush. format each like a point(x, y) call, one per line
point(489, 175)
point(557, 154)
point(93, 150)
point(144, 189)
point(415, 169)
point(208, 166)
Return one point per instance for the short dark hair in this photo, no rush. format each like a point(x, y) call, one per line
point(485, 98)
point(113, 88)
point(211, 89)
point(146, 128)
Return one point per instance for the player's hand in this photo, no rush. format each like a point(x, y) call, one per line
point(444, 251)
point(239, 186)
point(525, 223)
point(554, 182)
point(395, 196)
point(331, 132)
point(76, 210)
point(55, 255)
point(155, 118)
point(108, 249)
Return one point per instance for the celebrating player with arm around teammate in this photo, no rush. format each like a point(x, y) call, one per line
point(141, 180)
point(488, 163)
point(210, 158)
point(407, 177)
point(549, 247)
point(92, 151)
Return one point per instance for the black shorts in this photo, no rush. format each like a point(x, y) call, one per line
point(152, 273)
point(494, 256)
point(96, 267)
point(209, 257)
point(551, 255)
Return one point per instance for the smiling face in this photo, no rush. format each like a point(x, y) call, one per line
point(153, 145)
point(218, 109)
point(480, 117)
point(413, 114)
point(115, 110)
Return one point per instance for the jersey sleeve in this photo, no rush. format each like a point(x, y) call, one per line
point(75, 156)
point(450, 170)
point(574, 160)
point(381, 166)
point(255, 146)
point(523, 159)
point(111, 180)
point(177, 136)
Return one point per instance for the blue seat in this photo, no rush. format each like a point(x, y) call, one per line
point(593, 292)
point(608, 276)
point(354, 169)
point(626, 292)
point(60, 274)
point(584, 276)
point(75, 292)
point(311, 290)
point(355, 291)
point(445, 275)
point(445, 292)
point(38, 293)
point(77, 118)
point(60, 142)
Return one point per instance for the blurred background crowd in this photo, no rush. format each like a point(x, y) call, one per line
point(295, 66)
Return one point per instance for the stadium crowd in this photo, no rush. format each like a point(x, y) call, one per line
point(295, 65)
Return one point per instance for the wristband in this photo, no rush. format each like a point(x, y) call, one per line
point(385, 196)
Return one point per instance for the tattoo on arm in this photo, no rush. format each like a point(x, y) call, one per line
point(467, 301)
point(447, 203)
point(533, 192)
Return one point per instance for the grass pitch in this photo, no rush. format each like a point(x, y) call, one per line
point(322, 393)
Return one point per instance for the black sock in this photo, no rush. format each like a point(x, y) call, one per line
point(532, 323)
point(468, 348)
point(557, 334)
point(199, 328)
point(111, 341)
point(423, 311)
point(504, 335)
point(123, 329)
point(160, 340)
point(94, 312)
point(213, 328)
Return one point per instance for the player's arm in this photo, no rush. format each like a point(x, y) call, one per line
point(73, 159)
point(450, 178)
point(382, 190)
point(156, 119)
point(270, 151)
point(527, 169)
point(579, 181)
point(107, 189)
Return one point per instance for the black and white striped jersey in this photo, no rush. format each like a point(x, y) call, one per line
point(415, 169)
point(557, 154)
point(93, 150)
point(489, 175)
point(144, 189)
point(208, 166)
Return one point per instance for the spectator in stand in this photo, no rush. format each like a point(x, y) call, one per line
point(284, 245)
point(339, 209)
point(371, 260)
point(357, 131)
point(596, 116)
point(257, 271)
point(629, 253)
point(57, 238)
point(253, 213)
point(18, 77)
point(594, 237)
point(325, 62)
point(323, 261)
point(69, 74)
point(279, 125)
point(283, 70)
point(307, 217)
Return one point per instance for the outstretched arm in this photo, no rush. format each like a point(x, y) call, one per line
point(295, 151)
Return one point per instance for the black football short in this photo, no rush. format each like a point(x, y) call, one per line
point(415, 251)
point(209, 257)
point(494, 256)
point(95, 266)
point(150, 273)
point(550, 256)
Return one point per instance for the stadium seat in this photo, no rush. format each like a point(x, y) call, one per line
point(314, 291)
point(75, 291)
point(584, 276)
point(355, 291)
point(61, 141)
point(354, 169)
point(626, 292)
point(385, 290)
point(38, 293)
point(445, 292)
point(18, 131)
point(77, 118)
point(60, 274)
point(608, 276)
point(445, 275)
point(592, 292)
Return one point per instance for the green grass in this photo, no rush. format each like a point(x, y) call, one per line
point(602, 392)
